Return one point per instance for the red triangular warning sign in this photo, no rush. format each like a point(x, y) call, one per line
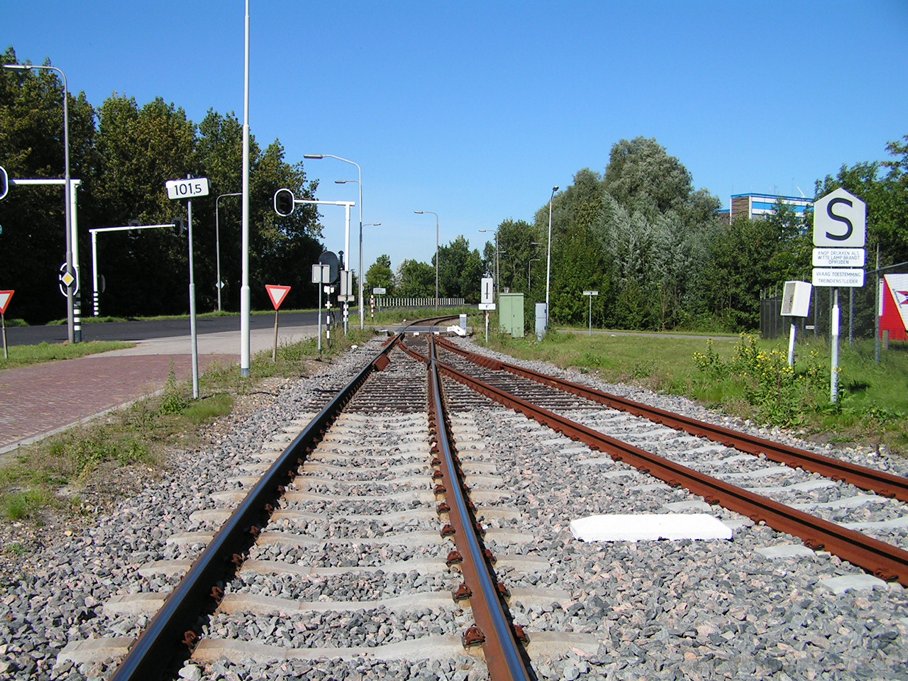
point(5, 297)
point(277, 294)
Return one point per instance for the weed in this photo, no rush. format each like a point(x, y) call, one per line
point(175, 399)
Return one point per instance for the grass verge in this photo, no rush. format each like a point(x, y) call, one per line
point(24, 355)
point(749, 378)
point(49, 475)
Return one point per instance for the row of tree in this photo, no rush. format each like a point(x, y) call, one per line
point(123, 154)
point(655, 248)
point(639, 233)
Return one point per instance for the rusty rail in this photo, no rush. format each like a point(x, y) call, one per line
point(493, 628)
point(880, 482)
point(173, 632)
point(884, 560)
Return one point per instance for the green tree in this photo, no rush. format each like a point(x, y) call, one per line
point(415, 279)
point(517, 243)
point(138, 151)
point(33, 242)
point(460, 270)
point(380, 275)
point(643, 177)
point(738, 272)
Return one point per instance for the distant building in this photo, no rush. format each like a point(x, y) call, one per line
point(758, 206)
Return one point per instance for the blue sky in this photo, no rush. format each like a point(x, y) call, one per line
point(475, 110)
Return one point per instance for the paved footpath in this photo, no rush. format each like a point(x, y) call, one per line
point(39, 400)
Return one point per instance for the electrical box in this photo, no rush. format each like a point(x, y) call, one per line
point(510, 313)
point(796, 299)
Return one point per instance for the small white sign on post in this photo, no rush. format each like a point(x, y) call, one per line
point(838, 277)
point(487, 294)
point(795, 303)
point(590, 294)
point(839, 257)
point(190, 188)
point(840, 222)
point(187, 189)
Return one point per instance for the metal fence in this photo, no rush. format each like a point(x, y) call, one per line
point(385, 302)
point(857, 310)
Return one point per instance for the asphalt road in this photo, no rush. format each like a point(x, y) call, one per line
point(146, 330)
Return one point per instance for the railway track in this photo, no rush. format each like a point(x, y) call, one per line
point(362, 568)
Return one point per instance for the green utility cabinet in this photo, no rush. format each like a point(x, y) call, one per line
point(510, 313)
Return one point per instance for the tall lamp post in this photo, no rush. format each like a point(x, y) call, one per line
point(217, 241)
point(548, 262)
point(429, 212)
point(529, 264)
point(70, 319)
point(245, 311)
point(359, 181)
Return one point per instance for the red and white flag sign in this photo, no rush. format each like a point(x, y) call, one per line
point(277, 294)
point(5, 297)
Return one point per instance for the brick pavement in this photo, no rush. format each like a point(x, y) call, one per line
point(41, 399)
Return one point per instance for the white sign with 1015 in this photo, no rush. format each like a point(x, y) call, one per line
point(187, 189)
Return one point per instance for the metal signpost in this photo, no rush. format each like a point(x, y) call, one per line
point(188, 189)
point(346, 295)
point(5, 297)
point(284, 204)
point(69, 272)
point(278, 294)
point(321, 275)
point(487, 300)
point(839, 233)
point(795, 303)
point(377, 291)
point(591, 294)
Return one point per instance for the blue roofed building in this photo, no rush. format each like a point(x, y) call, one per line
point(754, 206)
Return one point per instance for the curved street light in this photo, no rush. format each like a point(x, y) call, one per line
point(217, 241)
point(70, 319)
point(548, 261)
point(359, 174)
point(424, 212)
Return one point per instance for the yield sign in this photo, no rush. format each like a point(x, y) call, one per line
point(277, 294)
point(5, 297)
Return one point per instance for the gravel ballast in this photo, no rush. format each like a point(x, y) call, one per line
point(659, 610)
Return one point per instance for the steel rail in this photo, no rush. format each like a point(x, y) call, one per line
point(502, 652)
point(172, 631)
point(880, 482)
point(884, 560)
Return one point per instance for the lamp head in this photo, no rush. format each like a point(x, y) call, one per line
point(17, 67)
point(555, 188)
point(315, 156)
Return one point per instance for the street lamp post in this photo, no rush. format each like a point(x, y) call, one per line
point(424, 212)
point(217, 241)
point(548, 262)
point(529, 264)
point(67, 189)
point(244, 252)
point(359, 181)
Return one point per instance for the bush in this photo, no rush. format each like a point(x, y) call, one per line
point(780, 395)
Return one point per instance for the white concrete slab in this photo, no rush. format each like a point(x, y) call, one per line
point(649, 527)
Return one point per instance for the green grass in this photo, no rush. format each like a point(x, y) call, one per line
point(749, 379)
point(24, 355)
point(43, 475)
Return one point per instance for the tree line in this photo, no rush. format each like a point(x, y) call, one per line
point(639, 232)
point(123, 154)
point(656, 249)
